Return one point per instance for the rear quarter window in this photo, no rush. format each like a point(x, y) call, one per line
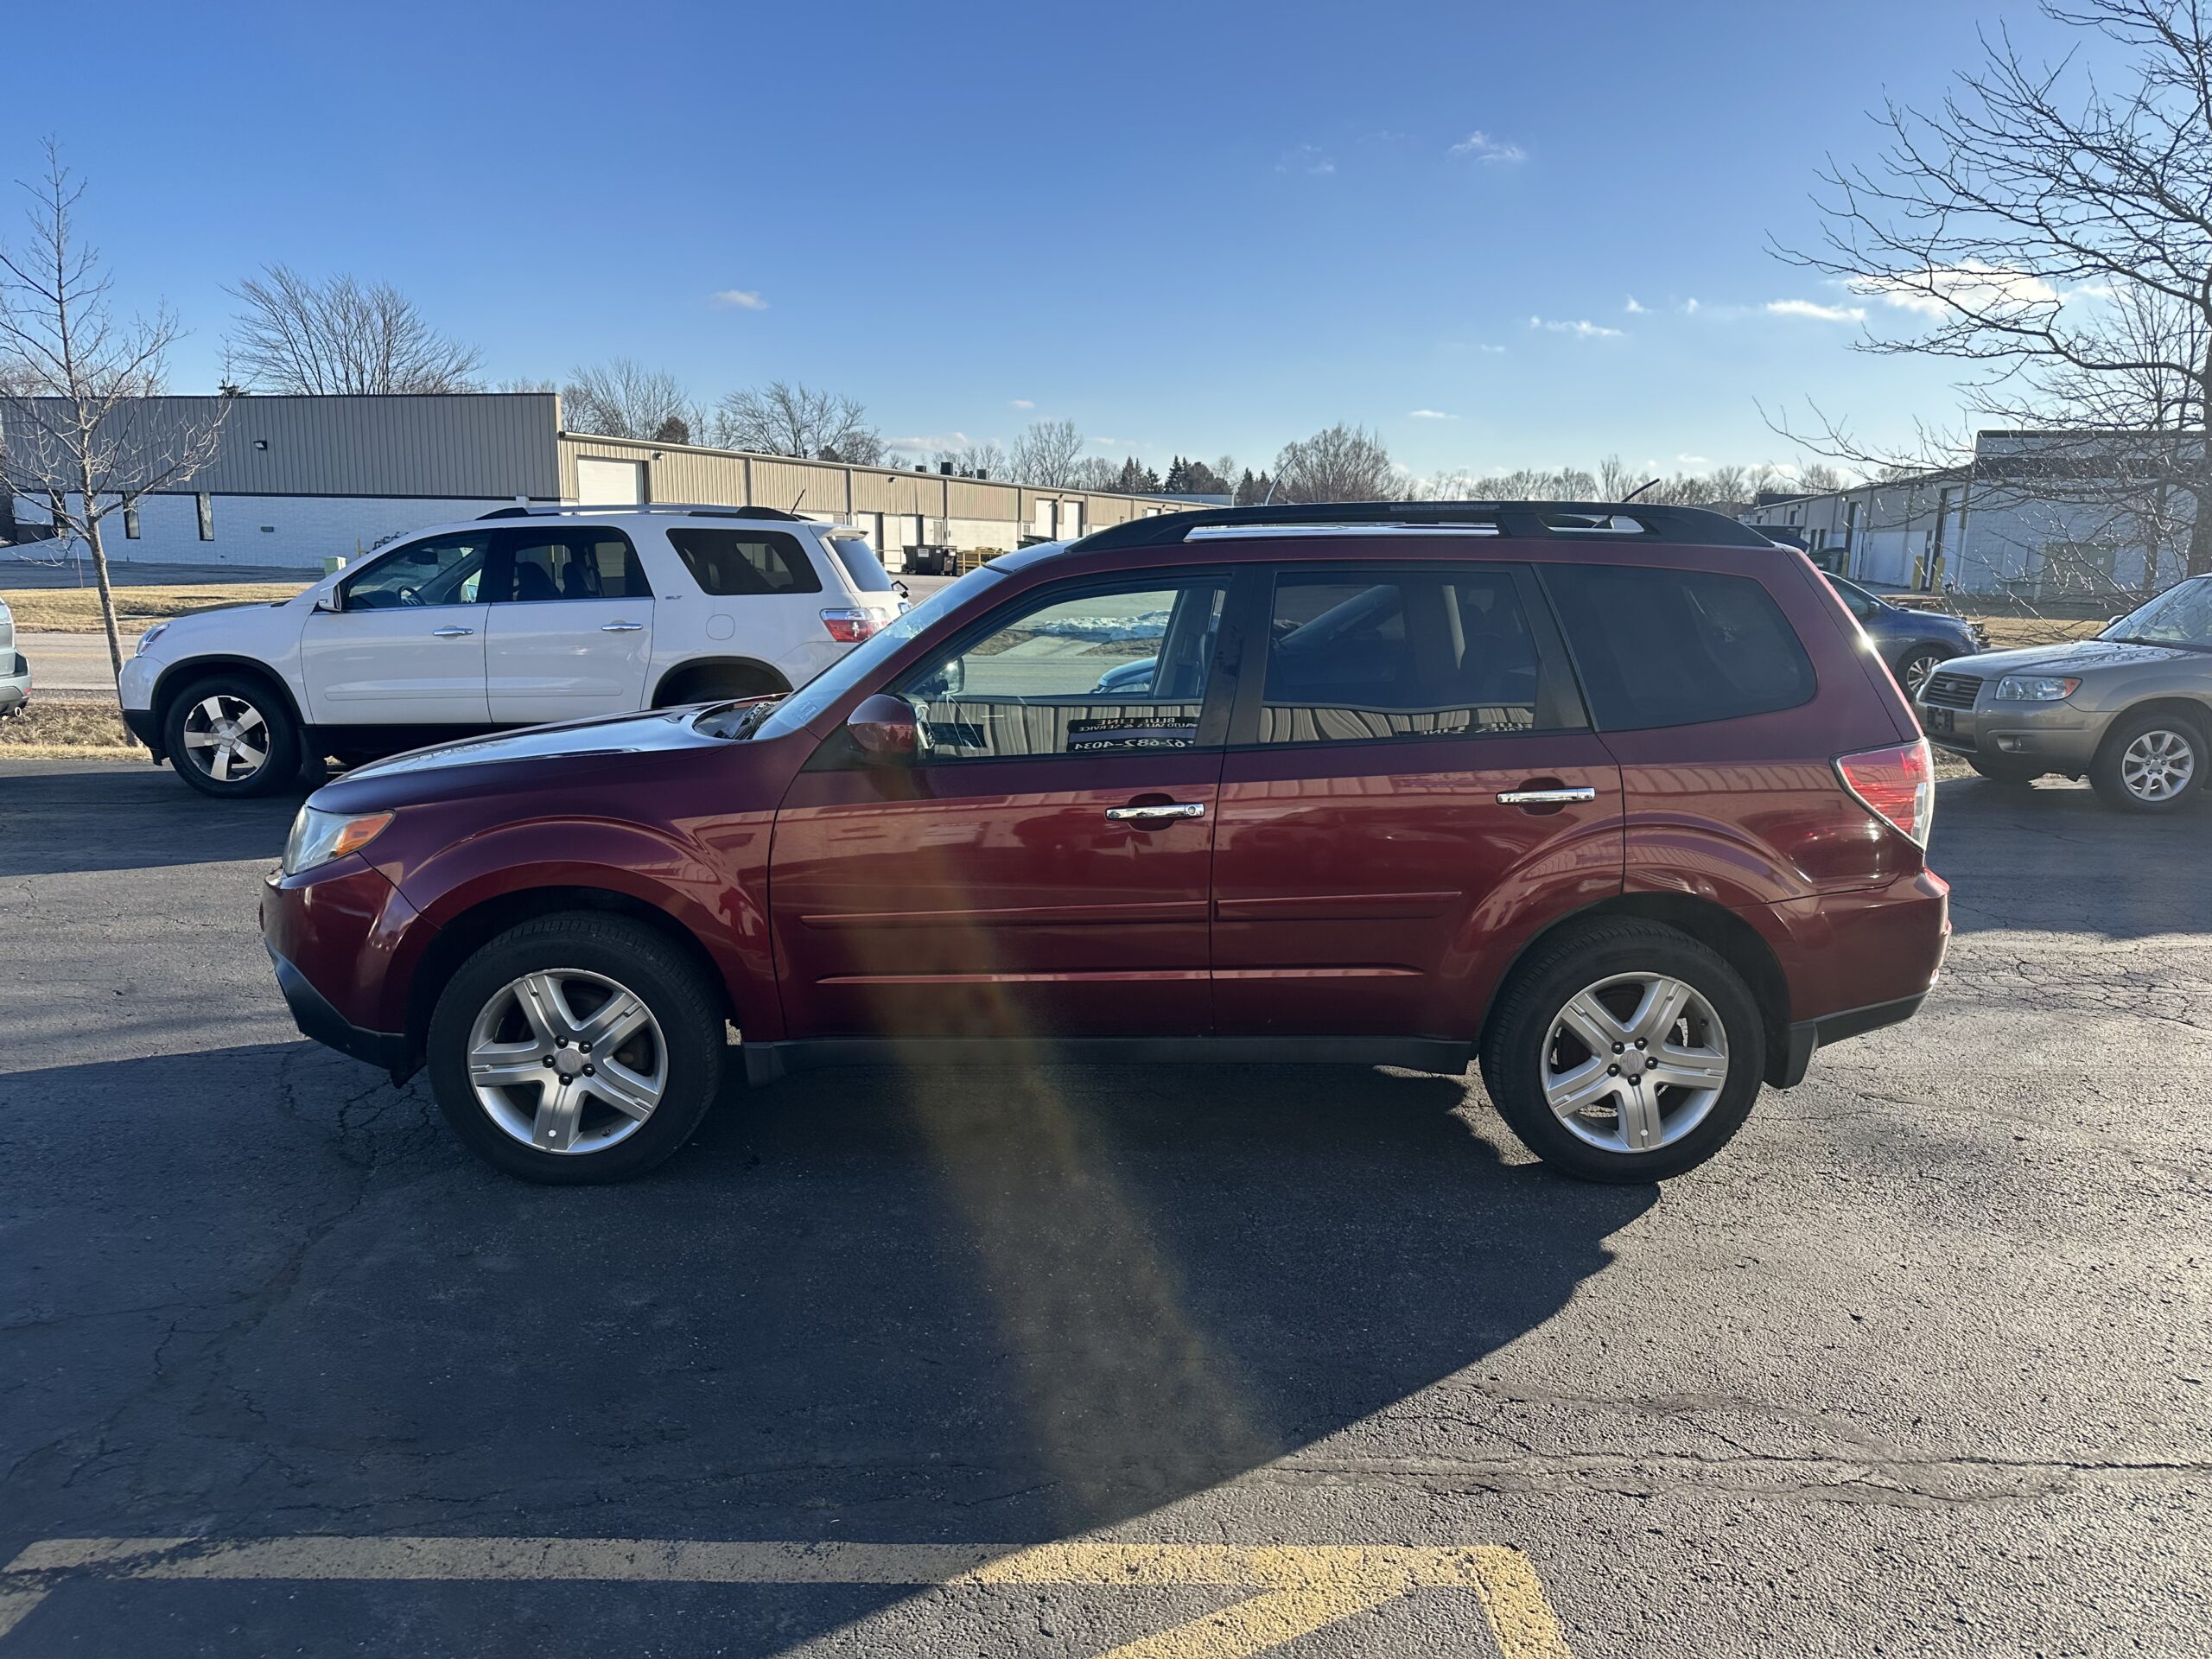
point(1677, 647)
point(731, 562)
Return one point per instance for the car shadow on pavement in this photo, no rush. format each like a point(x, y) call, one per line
point(995, 1305)
point(2054, 858)
point(145, 817)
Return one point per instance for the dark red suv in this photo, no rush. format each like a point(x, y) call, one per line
point(1617, 800)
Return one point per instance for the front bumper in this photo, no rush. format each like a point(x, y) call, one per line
point(343, 941)
point(312, 1013)
point(2062, 736)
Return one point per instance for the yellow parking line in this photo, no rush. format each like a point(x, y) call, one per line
point(1288, 1589)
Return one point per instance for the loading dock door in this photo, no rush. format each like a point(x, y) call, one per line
point(610, 483)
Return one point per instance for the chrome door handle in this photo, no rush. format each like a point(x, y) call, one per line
point(1166, 812)
point(451, 633)
point(1545, 797)
point(620, 627)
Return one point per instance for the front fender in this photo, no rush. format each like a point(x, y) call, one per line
point(709, 881)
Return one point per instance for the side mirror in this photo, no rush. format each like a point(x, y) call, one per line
point(2112, 621)
point(326, 603)
point(885, 729)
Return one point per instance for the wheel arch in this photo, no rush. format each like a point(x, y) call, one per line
point(2194, 710)
point(174, 679)
point(679, 675)
point(1714, 926)
point(462, 936)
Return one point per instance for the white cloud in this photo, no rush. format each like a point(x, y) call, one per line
point(1490, 152)
point(1429, 415)
point(1693, 461)
point(740, 299)
point(1636, 310)
point(928, 443)
point(1689, 307)
point(1581, 328)
point(1493, 350)
point(1935, 291)
point(1308, 159)
point(1814, 311)
point(1023, 402)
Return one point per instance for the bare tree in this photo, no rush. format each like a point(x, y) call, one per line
point(622, 399)
point(1047, 454)
point(75, 427)
point(785, 418)
point(339, 336)
point(2051, 231)
point(1342, 463)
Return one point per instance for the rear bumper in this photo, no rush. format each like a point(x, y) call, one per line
point(15, 682)
point(1809, 1035)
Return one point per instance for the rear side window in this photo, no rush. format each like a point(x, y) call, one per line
point(724, 562)
point(1418, 655)
point(569, 563)
point(1677, 647)
point(863, 568)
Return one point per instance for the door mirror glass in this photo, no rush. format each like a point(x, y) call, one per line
point(885, 729)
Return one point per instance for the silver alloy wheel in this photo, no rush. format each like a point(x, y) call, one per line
point(2157, 765)
point(1634, 1061)
point(1917, 671)
point(226, 738)
point(567, 1060)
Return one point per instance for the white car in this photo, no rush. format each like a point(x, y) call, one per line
point(14, 673)
point(526, 616)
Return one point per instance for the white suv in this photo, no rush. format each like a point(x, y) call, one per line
point(527, 615)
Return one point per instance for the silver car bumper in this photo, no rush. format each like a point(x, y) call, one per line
point(1958, 713)
point(15, 682)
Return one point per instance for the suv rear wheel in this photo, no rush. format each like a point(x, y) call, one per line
point(227, 735)
point(575, 1048)
point(1626, 1052)
point(2150, 763)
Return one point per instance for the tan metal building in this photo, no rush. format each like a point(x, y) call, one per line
point(296, 480)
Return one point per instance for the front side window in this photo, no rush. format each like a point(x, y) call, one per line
point(1107, 672)
point(1449, 654)
point(444, 570)
point(566, 563)
point(734, 561)
point(1677, 647)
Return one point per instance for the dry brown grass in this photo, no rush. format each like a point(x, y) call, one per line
point(76, 610)
point(2011, 632)
point(49, 730)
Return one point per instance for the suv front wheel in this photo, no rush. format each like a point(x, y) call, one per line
point(2150, 763)
point(227, 737)
point(1626, 1052)
point(575, 1048)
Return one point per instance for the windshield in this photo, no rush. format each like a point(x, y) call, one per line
point(2180, 616)
point(860, 564)
point(856, 664)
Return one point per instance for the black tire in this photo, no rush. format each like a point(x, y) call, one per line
point(2014, 773)
point(684, 1006)
point(1914, 667)
point(188, 722)
point(1515, 1041)
point(2114, 773)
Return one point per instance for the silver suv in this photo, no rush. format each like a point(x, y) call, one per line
point(2130, 710)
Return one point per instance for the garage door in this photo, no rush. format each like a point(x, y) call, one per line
point(610, 483)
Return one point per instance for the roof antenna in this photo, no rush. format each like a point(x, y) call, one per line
point(802, 496)
point(1638, 491)
point(1270, 495)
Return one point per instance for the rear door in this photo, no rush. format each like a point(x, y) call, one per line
point(1042, 870)
point(570, 625)
point(1411, 788)
point(406, 648)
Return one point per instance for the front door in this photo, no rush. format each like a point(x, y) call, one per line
point(571, 625)
point(406, 645)
point(1411, 780)
point(1041, 871)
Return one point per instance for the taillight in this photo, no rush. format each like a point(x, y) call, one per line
point(1897, 785)
point(849, 627)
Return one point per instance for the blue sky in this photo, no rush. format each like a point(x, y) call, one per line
point(1195, 228)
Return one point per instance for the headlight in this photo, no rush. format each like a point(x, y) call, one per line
point(2036, 687)
point(148, 637)
point(318, 837)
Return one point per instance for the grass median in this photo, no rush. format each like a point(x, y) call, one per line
point(76, 610)
point(72, 730)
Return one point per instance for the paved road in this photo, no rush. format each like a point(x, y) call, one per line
point(1920, 1366)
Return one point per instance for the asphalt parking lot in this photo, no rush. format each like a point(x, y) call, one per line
point(1922, 1364)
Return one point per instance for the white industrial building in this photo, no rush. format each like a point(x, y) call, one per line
point(2034, 515)
point(298, 481)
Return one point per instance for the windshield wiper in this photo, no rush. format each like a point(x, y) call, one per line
point(2137, 639)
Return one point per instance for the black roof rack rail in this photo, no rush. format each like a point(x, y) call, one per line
point(696, 509)
point(1634, 521)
